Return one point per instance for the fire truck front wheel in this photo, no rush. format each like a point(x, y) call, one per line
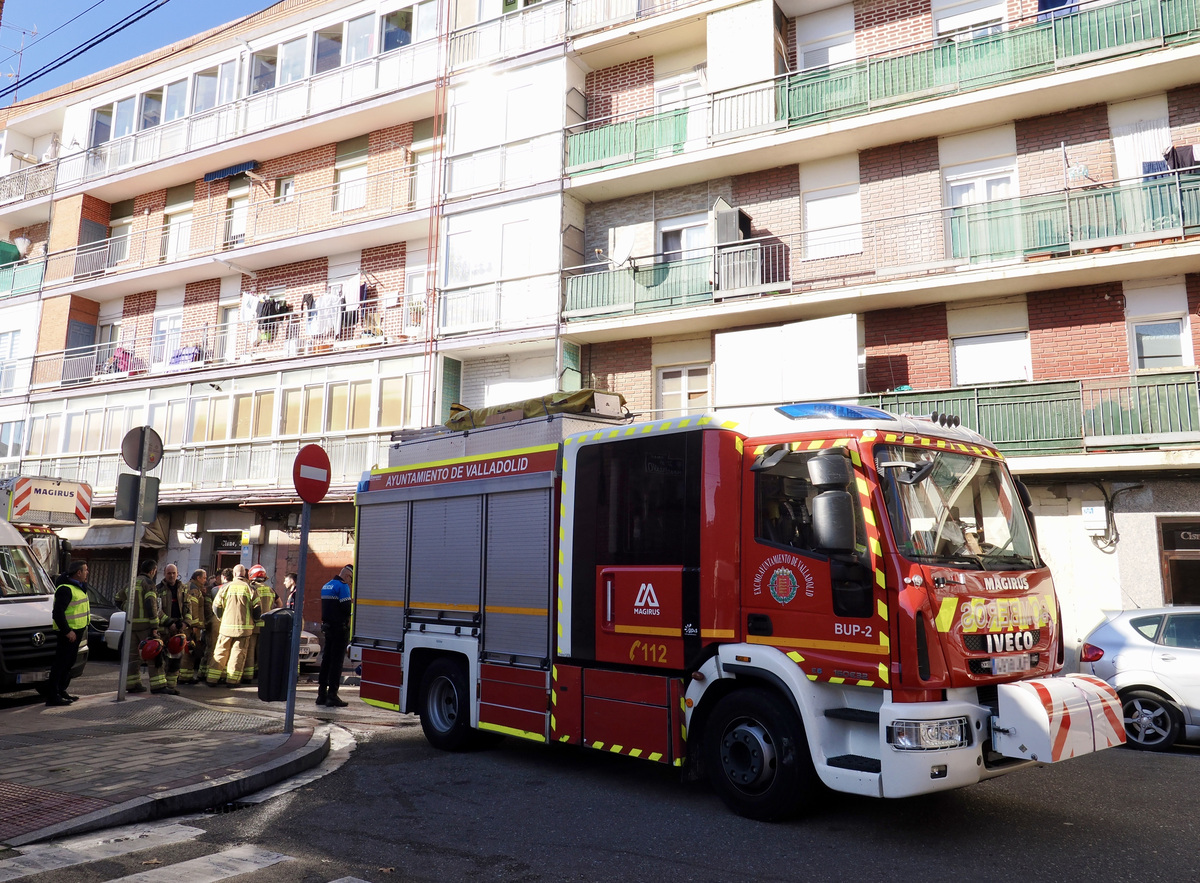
point(756, 755)
point(445, 712)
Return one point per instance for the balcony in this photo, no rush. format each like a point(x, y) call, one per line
point(23, 277)
point(326, 328)
point(1159, 410)
point(400, 69)
point(921, 245)
point(28, 183)
point(590, 15)
point(1034, 47)
point(211, 234)
point(512, 165)
point(510, 305)
point(213, 470)
point(509, 35)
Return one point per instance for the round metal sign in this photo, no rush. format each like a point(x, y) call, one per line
point(131, 447)
point(310, 473)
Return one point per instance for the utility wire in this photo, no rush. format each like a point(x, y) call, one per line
point(72, 54)
point(42, 37)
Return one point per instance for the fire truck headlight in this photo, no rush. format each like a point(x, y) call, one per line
point(954, 732)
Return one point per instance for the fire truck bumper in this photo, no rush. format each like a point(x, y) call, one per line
point(1053, 719)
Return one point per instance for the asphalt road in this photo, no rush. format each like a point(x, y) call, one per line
point(399, 810)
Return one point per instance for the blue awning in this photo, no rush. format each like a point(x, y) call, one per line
point(231, 171)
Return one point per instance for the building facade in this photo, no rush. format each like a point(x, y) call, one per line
point(329, 221)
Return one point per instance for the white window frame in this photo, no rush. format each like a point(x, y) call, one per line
point(1187, 357)
point(166, 337)
point(685, 372)
point(683, 224)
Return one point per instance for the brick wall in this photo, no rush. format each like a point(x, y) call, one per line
point(1183, 112)
point(1076, 332)
point(888, 24)
point(1040, 153)
point(145, 238)
point(907, 346)
point(95, 210)
point(137, 326)
point(772, 200)
point(623, 366)
point(1193, 297)
point(38, 236)
point(620, 89)
point(201, 310)
point(476, 375)
point(384, 267)
point(304, 277)
point(894, 181)
point(52, 329)
point(67, 214)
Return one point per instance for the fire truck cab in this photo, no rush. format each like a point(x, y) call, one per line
point(776, 598)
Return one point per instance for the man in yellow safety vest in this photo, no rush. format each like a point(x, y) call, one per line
point(71, 614)
point(238, 606)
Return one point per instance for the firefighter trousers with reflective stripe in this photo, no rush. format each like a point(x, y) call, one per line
point(158, 678)
point(229, 659)
point(251, 669)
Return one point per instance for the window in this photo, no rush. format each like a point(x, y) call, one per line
point(314, 409)
point(168, 419)
point(289, 420)
point(349, 406)
point(113, 121)
point(683, 238)
point(237, 209)
point(177, 233)
point(285, 189)
point(344, 43)
point(291, 61)
point(9, 347)
point(783, 503)
point(351, 190)
point(214, 87)
point(11, 435)
point(1182, 630)
point(263, 66)
point(396, 29)
point(991, 358)
point(833, 222)
point(277, 65)
point(227, 332)
point(151, 109)
point(1158, 344)
point(683, 390)
point(167, 332)
point(264, 414)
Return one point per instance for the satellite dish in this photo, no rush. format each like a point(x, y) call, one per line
point(622, 248)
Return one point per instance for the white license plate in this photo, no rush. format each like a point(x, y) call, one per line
point(1007, 665)
point(32, 677)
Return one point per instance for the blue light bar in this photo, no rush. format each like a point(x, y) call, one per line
point(828, 410)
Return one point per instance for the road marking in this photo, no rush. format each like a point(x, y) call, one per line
point(212, 868)
point(93, 847)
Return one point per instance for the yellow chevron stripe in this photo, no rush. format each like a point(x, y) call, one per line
point(512, 731)
point(945, 617)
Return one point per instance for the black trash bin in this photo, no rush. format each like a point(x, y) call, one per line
point(274, 655)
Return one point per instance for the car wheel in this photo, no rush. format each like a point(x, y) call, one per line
point(1152, 723)
point(445, 715)
point(756, 755)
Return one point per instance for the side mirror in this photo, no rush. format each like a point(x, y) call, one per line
point(833, 521)
point(831, 469)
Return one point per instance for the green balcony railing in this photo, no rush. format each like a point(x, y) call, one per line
point(1144, 411)
point(1066, 37)
point(21, 278)
point(660, 286)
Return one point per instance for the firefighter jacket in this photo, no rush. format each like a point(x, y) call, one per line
point(196, 604)
point(147, 613)
point(171, 599)
point(238, 607)
point(266, 599)
point(71, 608)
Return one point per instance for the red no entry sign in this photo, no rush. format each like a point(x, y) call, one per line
point(310, 473)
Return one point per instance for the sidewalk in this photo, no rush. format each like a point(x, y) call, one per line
point(99, 762)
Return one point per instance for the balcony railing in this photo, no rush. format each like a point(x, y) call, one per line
point(1150, 410)
point(499, 306)
point(516, 33)
point(1034, 47)
point(326, 327)
point(590, 15)
point(505, 167)
point(23, 277)
point(266, 220)
point(28, 183)
point(221, 466)
point(399, 69)
point(916, 245)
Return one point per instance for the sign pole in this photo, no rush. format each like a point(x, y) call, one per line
point(139, 530)
point(297, 622)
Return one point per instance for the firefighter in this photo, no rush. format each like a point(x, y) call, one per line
point(214, 620)
point(147, 617)
point(267, 600)
point(197, 611)
point(237, 604)
point(71, 613)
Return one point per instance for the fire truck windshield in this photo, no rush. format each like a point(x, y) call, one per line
point(954, 509)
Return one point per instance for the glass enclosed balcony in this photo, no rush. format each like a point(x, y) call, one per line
point(543, 24)
point(1157, 410)
point(1068, 37)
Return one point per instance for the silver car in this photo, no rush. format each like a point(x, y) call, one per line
point(1152, 659)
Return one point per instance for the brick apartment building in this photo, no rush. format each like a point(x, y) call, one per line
point(329, 221)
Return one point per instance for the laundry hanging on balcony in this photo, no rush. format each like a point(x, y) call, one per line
point(324, 318)
point(273, 316)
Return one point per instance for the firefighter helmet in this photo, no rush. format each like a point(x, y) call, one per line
point(150, 649)
point(258, 572)
point(176, 644)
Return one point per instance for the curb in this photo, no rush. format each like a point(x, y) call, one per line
point(191, 798)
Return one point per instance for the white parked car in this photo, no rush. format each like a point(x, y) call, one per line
point(1152, 659)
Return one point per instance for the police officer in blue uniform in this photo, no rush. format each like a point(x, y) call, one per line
point(335, 623)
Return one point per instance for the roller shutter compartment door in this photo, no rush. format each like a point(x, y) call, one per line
point(381, 570)
point(516, 618)
point(446, 562)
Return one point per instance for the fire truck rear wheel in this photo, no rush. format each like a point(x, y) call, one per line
point(756, 755)
point(445, 714)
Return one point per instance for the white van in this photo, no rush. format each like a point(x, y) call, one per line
point(26, 617)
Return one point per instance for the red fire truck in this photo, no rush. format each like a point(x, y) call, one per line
point(775, 598)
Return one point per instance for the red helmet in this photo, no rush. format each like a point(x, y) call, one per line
point(176, 644)
point(150, 649)
point(258, 572)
